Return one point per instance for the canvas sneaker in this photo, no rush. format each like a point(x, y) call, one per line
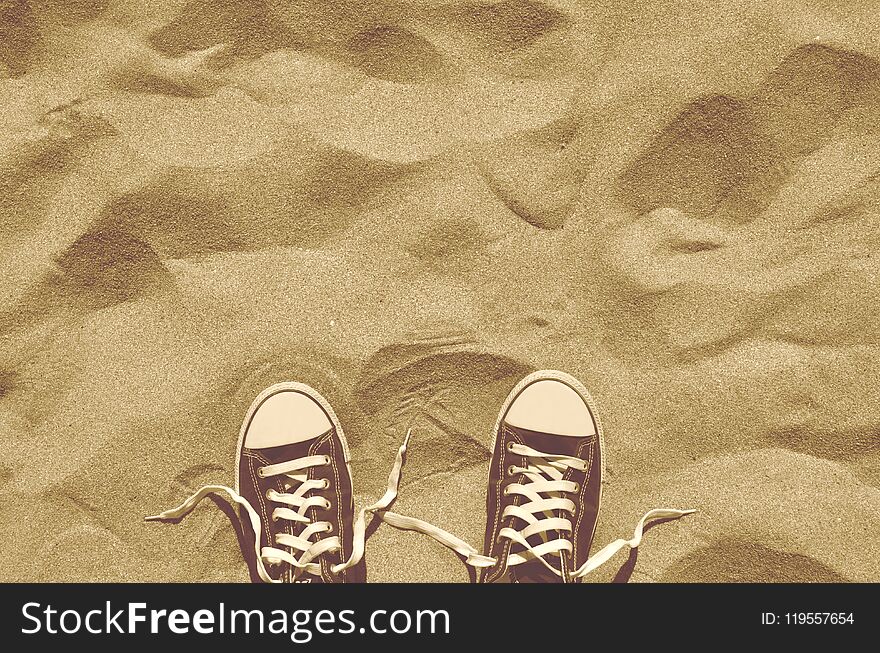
point(293, 490)
point(545, 488)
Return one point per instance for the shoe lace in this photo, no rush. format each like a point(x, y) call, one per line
point(545, 508)
point(301, 551)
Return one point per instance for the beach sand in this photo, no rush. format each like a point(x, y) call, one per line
point(411, 205)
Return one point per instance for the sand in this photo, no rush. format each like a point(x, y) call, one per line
point(410, 205)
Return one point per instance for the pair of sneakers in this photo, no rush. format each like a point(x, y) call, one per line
point(293, 487)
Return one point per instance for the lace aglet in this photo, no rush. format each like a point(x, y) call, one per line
point(162, 516)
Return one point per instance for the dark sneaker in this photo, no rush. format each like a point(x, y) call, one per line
point(294, 483)
point(545, 481)
point(545, 488)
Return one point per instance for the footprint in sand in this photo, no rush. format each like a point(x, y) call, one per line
point(447, 390)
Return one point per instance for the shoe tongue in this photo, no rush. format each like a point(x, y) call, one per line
point(534, 572)
point(286, 452)
point(565, 445)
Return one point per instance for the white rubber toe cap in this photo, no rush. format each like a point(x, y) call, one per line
point(551, 406)
point(286, 417)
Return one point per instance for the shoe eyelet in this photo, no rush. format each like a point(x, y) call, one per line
point(260, 472)
point(577, 488)
point(268, 492)
point(329, 528)
point(326, 484)
point(511, 470)
point(505, 492)
point(510, 446)
point(327, 504)
point(326, 460)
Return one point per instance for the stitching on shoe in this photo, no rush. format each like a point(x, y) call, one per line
point(574, 538)
point(505, 548)
point(286, 527)
point(258, 456)
point(313, 449)
point(494, 530)
point(339, 523)
point(263, 510)
point(504, 554)
point(326, 567)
